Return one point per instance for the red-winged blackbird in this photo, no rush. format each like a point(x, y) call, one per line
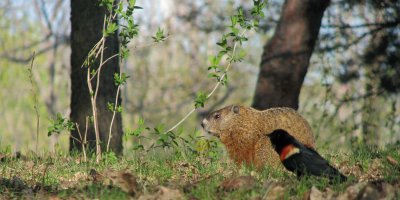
point(300, 159)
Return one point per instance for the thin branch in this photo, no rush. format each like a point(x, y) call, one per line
point(354, 42)
point(366, 25)
point(83, 142)
point(108, 59)
point(35, 99)
point(213, 90)
point(149, 43)
point(46, 16)
point(7, 54)
point(113, 116)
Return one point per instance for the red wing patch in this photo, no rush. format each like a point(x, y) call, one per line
point(288, 151)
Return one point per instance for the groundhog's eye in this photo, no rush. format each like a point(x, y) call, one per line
point(217, 116)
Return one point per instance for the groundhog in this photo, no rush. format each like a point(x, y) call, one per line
point(243, 131)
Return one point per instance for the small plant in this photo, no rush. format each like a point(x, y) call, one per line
point(59, 125)
point(35, 99)
point(62, 124)
point(229, 42)
point(160, 36)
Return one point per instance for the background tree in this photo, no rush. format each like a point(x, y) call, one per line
point(286, 56)
point(87, 20)
point(162, 86)
point(369, 63)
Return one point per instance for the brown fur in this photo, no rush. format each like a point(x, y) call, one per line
point(243, 129)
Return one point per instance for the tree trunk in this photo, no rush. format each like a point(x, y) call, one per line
point(286, 56)
point(87, 23)
point(374, 57)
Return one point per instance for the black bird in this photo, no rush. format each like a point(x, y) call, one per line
point(300, 159)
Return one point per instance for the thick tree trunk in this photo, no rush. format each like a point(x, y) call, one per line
point(87, 23)
point(286, 56)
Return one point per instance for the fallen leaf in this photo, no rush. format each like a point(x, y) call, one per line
point(389, 191)
point(368, 192)
point(374, 171)
point(163, 193)
point(124, 180)
point(275, 192)
point(315, 194)
point(352, 191)
point(96, 176)
point(187, 173)
point(75, 181)
point(241, 182)
point(392, 161)
point(274, 189)
point(2, 157)
point(30, 165)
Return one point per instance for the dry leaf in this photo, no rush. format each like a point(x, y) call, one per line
point(163, 193)
point(74, 181)
point(368, 192)
point(374, 172)
point(2, 157)
point(241, 182)
point(187, 173)
point(124, 180)
point(315, 194)
point(96, 176)
point(392, 161)
point(352, 191)
point(275, 192)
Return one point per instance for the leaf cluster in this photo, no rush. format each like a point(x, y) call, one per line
point(60, 124)
point(239, 24)
point(160, 36)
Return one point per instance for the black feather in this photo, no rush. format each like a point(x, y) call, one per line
point(307, 161)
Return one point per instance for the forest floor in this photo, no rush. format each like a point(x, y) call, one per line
point(373, 174)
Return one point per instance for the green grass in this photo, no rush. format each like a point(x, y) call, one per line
point(193, 176)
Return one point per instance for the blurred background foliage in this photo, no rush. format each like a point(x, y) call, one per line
point(349, 96)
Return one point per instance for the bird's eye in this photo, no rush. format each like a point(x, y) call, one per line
point(217, 116)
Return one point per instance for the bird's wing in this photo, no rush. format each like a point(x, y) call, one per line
point(316, 164)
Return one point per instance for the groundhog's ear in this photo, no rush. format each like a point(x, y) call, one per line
point(235, 109)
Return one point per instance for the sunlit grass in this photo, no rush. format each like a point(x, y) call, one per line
point(195, 176)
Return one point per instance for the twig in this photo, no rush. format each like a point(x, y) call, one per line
point(93, 94)
point(82, 142)
point(44, 172)
point(213, 90)
point(149, 43)
point(113, 116)
point(35, 99)
point(365, 25)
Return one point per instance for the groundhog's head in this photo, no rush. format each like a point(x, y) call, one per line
point(220, 121)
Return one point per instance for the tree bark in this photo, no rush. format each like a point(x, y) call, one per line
point(286, 56)
point(87, 19)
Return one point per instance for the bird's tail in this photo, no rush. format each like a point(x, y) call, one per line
point(334, 175)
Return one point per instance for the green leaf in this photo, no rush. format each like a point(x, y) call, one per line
point(60, 124)
point(131, 3)
point(120, 79)
point(200, 100)
point(111, 28)
point(124, 53)
point(108, 4)
point(159, 37)
point(234, 20)
point(110, 106)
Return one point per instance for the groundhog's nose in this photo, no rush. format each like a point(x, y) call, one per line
point(203, 123)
